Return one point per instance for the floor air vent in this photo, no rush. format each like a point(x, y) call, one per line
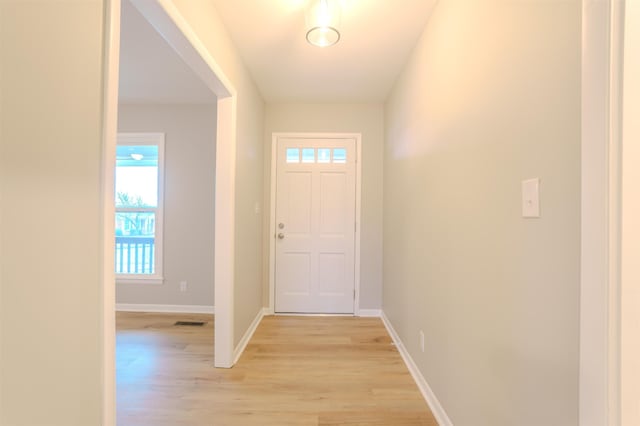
point(191, 323)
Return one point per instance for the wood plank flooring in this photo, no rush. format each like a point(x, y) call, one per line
point(302, 371)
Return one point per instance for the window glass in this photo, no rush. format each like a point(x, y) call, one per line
point(135, 224)
point(308, 155)
point(136, 176)
point(339, 155)
point(324, 155)
point(293, 155)
point(135, 243)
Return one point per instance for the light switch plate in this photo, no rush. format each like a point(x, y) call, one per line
point(531, 198)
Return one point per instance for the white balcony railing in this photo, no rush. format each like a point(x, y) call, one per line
point(135, 255)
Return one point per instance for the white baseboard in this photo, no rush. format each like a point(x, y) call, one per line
point(369, 313)
point(178, 309)
point(237, 353)
point(427, 393)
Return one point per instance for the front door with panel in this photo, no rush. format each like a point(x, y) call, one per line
point(315, 225)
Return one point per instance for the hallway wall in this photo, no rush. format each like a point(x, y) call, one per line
point(490, 97)
point(205, 22)
point(51, 221)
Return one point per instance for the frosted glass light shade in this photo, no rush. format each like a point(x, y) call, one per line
point(323, 21)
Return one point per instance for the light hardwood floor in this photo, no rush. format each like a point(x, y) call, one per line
point(295, 371)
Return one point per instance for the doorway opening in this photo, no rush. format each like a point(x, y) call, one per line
point(168, 22)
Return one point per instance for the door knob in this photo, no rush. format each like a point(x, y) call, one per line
point(281, 225)
point(281, 236)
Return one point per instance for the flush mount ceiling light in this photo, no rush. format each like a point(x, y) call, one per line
point(323, 20)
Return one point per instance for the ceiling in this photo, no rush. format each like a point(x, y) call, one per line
point(377, 37)
point(150, 70)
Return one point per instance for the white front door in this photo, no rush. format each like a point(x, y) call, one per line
point(315, 225)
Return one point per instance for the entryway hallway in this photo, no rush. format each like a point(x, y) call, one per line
point(300, 371)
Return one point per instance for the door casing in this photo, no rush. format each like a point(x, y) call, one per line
point(272, 213)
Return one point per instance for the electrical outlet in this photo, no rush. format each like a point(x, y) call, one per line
point(421, 340)
point(183, 286)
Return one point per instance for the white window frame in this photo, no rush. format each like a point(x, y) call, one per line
point(137, 139)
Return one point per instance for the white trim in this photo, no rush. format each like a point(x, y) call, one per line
point(358, 218)
point(111, 72)
point(224, 262)
point(272, 226)
point(425, 389)
point(177, 309)
point(305, 314)
point(616, 66)
point(272, 213)
point(132, 279)
point(242, 345)
point(370, 313)
point(600, 235)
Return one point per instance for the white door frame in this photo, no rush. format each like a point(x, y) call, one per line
point(167, 20)
point(602, 50)
point(272, 213)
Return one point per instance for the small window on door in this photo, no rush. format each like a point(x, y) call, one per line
point(308, 155)
point(324, 155)
point(339, 155)
point(293, 155)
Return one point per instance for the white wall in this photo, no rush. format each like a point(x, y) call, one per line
point(367, 119)
point(206, 23)
point(189, 207)
point(491, 96)
point(630, 291)
point(51, 213)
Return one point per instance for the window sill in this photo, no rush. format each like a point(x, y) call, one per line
point(136, 280)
